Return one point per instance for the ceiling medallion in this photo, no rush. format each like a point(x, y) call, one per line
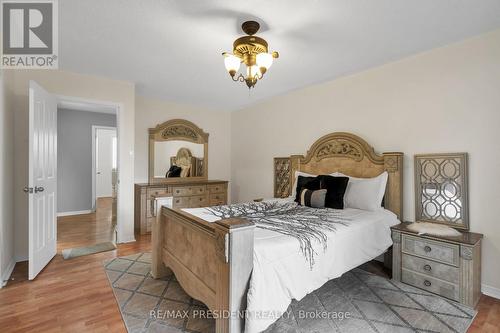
point(252, 51)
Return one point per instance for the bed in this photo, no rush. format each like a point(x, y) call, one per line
point(232, 261)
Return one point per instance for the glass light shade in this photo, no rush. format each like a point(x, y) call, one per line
point(264, 60)
point(254, 70)
point(232, 62)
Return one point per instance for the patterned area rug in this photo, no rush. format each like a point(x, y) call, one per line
point(356, 302)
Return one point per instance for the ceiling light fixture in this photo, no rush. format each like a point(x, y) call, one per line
point(252, 51)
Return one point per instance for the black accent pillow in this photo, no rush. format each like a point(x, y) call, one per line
point(174, 171)
point(336, 187)
point(309, 183)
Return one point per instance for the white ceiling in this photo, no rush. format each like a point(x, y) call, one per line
point(172, 49)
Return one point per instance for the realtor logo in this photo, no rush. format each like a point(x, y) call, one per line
point(29, 34)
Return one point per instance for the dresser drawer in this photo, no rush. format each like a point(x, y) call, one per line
point(198, 201)
point(156, 192)
point(188, 191)
point(440, 287)
point(180, 202)
point(431, 268)
point(217, 199)
point(217, 188)
point(439, 251)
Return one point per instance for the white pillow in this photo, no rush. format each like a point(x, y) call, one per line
point(365, 193)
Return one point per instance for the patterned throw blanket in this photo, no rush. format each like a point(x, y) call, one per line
point(306, 224)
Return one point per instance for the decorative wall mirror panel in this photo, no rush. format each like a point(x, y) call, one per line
point(441, 193)
point(178, 150)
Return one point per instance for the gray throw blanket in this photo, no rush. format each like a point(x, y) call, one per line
point(306, 224)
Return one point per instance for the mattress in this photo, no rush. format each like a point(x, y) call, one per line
point(281, 271)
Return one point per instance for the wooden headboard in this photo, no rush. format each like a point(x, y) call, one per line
point(346, 153)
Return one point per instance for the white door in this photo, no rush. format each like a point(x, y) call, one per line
point(105, 161)
point(42, 178)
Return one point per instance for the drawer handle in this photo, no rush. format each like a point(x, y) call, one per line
point(427, 248)
point(427, 283)
point(177, 201)
point(201, 199)
point(178, 191)
point(427, 268)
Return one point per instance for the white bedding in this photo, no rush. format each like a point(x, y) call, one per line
point(281, 272)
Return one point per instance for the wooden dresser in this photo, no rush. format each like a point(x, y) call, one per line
point(185, 194)
point(447, 266)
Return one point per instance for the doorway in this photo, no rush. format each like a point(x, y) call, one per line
point(104, 162)
point(87, 182)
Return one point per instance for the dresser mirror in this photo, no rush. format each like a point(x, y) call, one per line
point(441, 194)
point(178, 151)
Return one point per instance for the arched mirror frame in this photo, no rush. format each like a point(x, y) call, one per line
point(177, 130)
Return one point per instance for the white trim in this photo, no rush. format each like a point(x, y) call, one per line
point(21, 258)
point(76, 212)
point(94, 169)
point(85, 106)
point(490, 291)
point(128, 239)
point(8, 272)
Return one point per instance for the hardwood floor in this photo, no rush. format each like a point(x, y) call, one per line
point(75, 296)
point(86, 229)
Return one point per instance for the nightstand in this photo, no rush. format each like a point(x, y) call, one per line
point(447, 266)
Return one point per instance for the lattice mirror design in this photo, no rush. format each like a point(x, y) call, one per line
point(282, 177)
point(441, 194)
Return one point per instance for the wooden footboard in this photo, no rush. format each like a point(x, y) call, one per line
point(212, 261)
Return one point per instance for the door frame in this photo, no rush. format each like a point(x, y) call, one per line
point(94, 160)
point(117, 110)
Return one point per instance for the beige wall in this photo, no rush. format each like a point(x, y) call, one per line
point(88, 88)
point(445, 100)
point(151, 112)
point(6, 181)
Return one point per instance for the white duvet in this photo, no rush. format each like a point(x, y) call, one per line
point(281, 272)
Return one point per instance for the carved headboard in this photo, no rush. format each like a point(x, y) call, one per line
point(346, 153)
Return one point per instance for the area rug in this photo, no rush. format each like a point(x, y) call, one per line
point(86, 250)
point(356, 302)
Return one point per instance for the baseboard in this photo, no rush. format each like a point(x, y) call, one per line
point(8, 273)
point(78, 212)
point(490, 291)
point(127, 239)
point(21, 258)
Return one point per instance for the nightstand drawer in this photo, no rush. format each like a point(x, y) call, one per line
point(431, 268)
point(443, 288)
point(440, 251)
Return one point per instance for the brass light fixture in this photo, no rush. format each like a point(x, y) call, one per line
point(252, 51)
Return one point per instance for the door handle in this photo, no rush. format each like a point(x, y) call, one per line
point(28, 189)
point(98, 172)
point(39, 189)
